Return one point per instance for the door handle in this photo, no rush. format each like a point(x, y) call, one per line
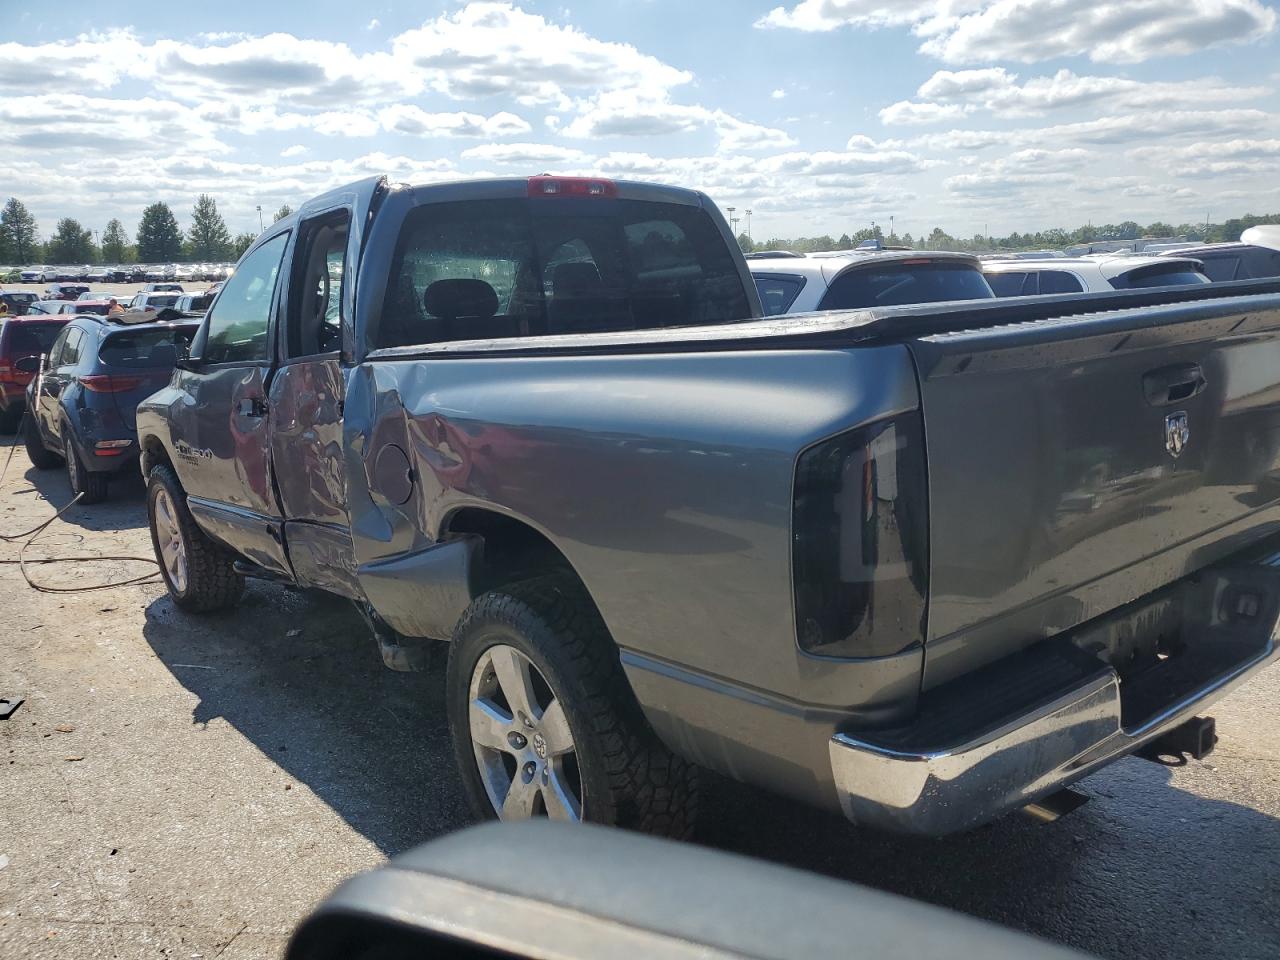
point(251, 407)
point(1173, 384)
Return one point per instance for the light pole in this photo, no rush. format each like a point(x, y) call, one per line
point(749, 237)
point(731, 220)
point(261, 225)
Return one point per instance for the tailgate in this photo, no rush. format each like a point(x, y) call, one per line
point(1076, 464)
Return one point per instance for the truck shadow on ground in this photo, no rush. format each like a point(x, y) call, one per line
point(1144, 870)
point(372, 744)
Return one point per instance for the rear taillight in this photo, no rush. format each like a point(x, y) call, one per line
point(110, 383)
point(571, 187)
point(860, 553)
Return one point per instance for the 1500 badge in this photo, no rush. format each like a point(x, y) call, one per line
point(190, 454)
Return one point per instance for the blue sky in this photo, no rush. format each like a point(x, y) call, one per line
point(819, 115)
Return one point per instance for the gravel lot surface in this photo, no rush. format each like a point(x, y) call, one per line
point(181, 787)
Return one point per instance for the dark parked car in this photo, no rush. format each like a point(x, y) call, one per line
point(18, 301)
point(194, 302)
point(20, 337)
point(1233, 261)
point(65, 291)
point(83, 405)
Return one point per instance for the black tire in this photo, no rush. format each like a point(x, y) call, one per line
point(211, 579)
point(91, 486)
point(41, 457)
point(628, 777)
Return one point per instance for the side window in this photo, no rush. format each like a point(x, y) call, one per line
point(236, 328)
point(1219, 269)
point(55, 351)
point(1262, 263)
point(315, 290)
point(71, 348)
point(777, 294)
point(1007, 284)
point(1059, 281)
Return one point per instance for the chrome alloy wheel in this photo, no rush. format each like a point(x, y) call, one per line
point(521, 738)
point(173, 552)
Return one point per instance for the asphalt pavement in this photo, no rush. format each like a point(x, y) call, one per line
point(189, 787)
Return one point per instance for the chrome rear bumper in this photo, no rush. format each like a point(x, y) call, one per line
point(957, 786)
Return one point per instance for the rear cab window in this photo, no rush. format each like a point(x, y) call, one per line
point(898, 282)
point(484, 269)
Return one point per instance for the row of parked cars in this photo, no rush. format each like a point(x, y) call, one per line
point(101, 356)
point(877, 276)
point(123, 273)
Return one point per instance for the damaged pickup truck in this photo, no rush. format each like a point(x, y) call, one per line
point(924, 564)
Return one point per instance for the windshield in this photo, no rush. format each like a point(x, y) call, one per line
point(506, 268)
point(156, 302)
point(903, 282)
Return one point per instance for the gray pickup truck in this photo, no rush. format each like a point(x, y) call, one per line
point(924, 565)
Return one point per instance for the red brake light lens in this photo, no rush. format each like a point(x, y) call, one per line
point(571, 187)
point(110, 383)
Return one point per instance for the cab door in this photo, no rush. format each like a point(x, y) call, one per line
point(306, 401)
point(220, 431)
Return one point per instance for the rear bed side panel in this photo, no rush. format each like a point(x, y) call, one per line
point(1053, 495)
point(666, 480)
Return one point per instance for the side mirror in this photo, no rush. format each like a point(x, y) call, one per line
point(584, 892)
point(27, 364)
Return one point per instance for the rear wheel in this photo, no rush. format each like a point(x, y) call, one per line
point(92, 487)
point(199, 574)
point(543, 720)
point(41, 457)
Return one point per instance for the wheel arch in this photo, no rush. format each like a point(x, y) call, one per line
point(153, 453)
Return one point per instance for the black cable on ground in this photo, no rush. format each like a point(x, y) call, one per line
point(33, 534)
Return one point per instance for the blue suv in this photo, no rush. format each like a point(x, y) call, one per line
point(83, 402)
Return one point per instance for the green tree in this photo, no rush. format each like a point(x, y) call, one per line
point(208, 237)
point(115, 242)
point(18, 231)
point(745, 244)
point(159, 238)
point(240, 244)
point(284, 211)
point(71, 243)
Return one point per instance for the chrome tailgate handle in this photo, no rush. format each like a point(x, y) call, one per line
point(1173, 384)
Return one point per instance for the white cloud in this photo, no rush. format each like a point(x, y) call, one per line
point(990, 31)
point(626, 113)
point(949, 94)
point(1107, 31)
point(406, 118)
point(905, 112)
point(486, 49)
point(1214, 158)
point(373, 24)
point(296, 150)
point(778, 94)
point(526, 154)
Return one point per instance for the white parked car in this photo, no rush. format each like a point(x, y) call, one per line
point(1093, 274)
point(800, 284)
point(37, 275)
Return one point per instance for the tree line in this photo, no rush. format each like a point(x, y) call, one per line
point(1055, 239)
point(158, 239)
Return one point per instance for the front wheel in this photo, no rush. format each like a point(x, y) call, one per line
point(543, 720)
point(199, 574)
